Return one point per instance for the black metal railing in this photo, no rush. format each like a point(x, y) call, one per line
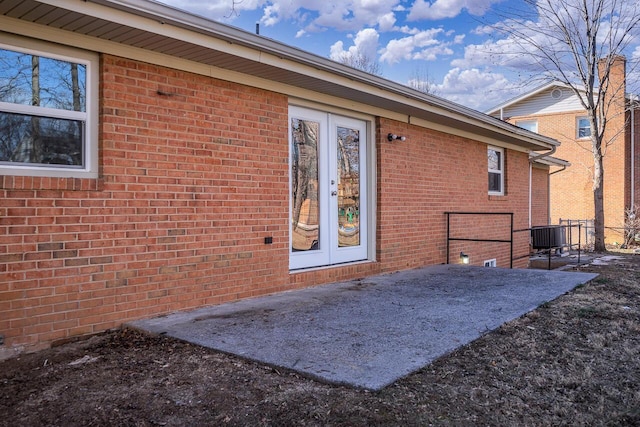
point(549, 239)
point(464, 239)
point(586, 235)
point(548, 234)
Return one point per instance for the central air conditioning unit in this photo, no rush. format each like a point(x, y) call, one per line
point(548, 237)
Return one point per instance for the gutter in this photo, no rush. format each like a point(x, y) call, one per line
point(559, 170)
point(549, 192)
point(531, 161)
point(539, 156)
point(557, 162)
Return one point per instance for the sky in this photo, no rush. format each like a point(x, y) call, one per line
point(446, 42)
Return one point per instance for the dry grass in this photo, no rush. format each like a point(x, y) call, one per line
point(573, 361)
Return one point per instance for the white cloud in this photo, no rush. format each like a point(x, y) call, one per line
point(483, 30)
point(503, 53)
point(411, 47)
point(350, 15)
point(386, 22)
point(534, 41)
point(440, 9)
point(370, 21)
point(432, 53)
point(475, 88)
point(314, 15)
point(271, 15)
point(365, 43)
point(221, 10)
point(337, 51)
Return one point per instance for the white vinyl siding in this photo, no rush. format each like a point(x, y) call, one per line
point(544, 103)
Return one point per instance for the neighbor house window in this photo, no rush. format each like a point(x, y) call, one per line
point(496, 170)
point(530, 125)
point(48, 113)
point(583, 127)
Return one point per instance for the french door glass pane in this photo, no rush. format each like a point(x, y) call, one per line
point(348, 148)
point(305, 224)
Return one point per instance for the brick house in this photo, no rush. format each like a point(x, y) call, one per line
point(168, 162)
point(554, 110)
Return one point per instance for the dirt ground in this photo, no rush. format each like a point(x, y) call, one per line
point(573, 361)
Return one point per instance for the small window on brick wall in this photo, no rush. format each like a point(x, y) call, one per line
point(48, 112)
point(495, 158)
point(530, 125)
point(583, 127)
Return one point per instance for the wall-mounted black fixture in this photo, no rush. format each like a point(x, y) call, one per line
point(392, 137)
point(268, 240)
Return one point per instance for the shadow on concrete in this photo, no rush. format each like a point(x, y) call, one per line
point(561, 260)
point(370, 332)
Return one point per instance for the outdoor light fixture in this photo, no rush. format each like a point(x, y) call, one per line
point(464, 258)
point(392, 137)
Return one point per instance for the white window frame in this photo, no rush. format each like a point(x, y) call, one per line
point(578, 119)
point(497, 171)
point(530, 125)
point(89, 117)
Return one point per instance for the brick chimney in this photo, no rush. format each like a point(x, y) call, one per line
point(612, 77)
point(615, 81)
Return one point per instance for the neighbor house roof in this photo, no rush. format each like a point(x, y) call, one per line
point(494, 111)
point(163, 30)
point(526, 95)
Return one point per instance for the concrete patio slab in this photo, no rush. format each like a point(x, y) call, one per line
point(370, 332)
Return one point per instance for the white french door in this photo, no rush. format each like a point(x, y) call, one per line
point(328, 160)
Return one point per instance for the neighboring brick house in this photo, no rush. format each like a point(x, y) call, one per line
point(169, 162)
point(555, 111)
point(541, 172)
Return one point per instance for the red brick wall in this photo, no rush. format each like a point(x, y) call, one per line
point(431, 173)
point(616, 184)
point(571, 189)
point(634, 150)
point(539, 196)
point(190, 185)
point(194, 175)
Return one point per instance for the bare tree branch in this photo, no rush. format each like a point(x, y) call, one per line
point(577, 42)
point(421, 80)
point(361, 61)
point(233, 11)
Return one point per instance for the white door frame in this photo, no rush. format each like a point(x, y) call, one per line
point(327, 251)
